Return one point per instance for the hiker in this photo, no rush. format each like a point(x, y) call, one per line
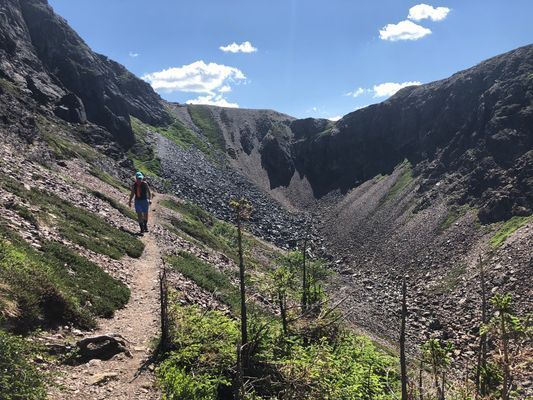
point(143, 199)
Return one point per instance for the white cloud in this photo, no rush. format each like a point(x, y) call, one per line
point(425, 11)
point(213, 100)
point(357, 92)
point(197, 77)
point(132, 54)
point(404, 30)
point(335, 118)
point(388, 89)
point(225, 89)
point(244, 47)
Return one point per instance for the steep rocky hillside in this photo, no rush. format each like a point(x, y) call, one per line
point(42, 56)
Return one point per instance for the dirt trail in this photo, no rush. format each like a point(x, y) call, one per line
point(138, 323)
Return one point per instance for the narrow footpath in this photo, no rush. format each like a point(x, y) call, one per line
point(138, 324)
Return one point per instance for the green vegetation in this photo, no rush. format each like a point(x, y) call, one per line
point(449, 281)
point(207, 277)
point(127, 212)
point(77, 225)
point(507, 229)
point(177, 132)
point(54, 285)
point(8, 86)
point(203, 227)
point(142, 153)
point(404, 179)
point(455, 213)
point(203, 119)
point(202, 364)
point(184, 137)
point(110, 180)
point(19, 375)
point(62, 146)
point(204, 343)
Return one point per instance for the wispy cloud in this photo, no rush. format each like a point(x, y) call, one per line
point(357, 92)
point(403, 30)
point(225, 89)
point(244, 47)
point(213, 100)
point(425, 11)
point(388, 89)
point(133, 54)
point(335, 118)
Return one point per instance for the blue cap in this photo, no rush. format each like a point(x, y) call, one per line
point(139, 175)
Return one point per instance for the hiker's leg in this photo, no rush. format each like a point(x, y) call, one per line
point(140, 219)
point(146, 221)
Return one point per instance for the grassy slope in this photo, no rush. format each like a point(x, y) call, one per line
point(54, 285)
point(78, 225)
point(404, 179)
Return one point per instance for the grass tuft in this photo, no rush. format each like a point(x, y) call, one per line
point(507, 229)
point(207, 277)
point(203, 227)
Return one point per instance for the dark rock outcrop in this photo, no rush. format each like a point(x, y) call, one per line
point(41, 53)
point(475, 128)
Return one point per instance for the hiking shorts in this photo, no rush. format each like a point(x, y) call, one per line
point(141, 206)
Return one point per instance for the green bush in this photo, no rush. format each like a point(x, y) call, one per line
point(203, 361)
point(19, 377)
point(349, 368)
point(204, 355)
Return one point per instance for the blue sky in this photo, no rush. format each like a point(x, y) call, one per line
point(312, 58)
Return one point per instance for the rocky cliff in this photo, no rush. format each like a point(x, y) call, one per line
point(472, 131)
point(42, 55)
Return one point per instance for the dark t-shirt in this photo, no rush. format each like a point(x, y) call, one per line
point(141, 194)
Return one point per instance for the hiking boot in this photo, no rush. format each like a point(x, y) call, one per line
point(145, 226)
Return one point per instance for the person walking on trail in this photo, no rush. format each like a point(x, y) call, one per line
point(143, 198)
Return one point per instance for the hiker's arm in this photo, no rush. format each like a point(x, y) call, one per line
point(148, 192)
point(132, 193)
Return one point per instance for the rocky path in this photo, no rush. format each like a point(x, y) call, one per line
point(120, 377)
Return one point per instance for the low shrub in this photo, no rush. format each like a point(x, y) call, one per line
point(204, 355)
point(19, 377)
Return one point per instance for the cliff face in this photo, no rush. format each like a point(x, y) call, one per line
point(472, 131)
point(42, 55)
